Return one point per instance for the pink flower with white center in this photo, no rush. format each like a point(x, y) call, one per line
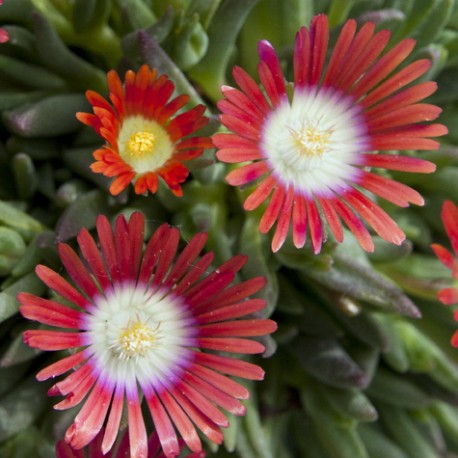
point(449, 296)
point(147, 325)
point(63, 450)
point(310, 152)
point(3, 33)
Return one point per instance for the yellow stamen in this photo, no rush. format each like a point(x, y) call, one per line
point(136, 339)
point(311, 141)
point(141, 144)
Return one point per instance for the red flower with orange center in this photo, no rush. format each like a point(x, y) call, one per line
point(145, 141)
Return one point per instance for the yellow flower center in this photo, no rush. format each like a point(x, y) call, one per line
point(311, 141)
point(136, 339)
point(144, 144)
point(141, 144)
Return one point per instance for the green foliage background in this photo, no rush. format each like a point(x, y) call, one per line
point(353, 371)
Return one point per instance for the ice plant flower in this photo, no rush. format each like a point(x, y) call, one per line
point(147, 325)
point(311, 149)
point(3, 33)
point(449, 296)
point(63, 450)
point(144, 140)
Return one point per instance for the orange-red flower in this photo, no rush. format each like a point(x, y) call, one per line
point(145, 141)
point(449, 295)
point(310, 149)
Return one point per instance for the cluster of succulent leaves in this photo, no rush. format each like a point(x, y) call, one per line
point(353, 370)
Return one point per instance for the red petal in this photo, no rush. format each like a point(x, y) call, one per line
point(449, 216)
point(48, 312)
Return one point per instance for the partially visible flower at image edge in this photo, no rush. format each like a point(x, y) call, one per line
point(449, 296)
point(144, 140)
point(311, 154)
point(3, 33)
point(63, 450)
point(151, 322)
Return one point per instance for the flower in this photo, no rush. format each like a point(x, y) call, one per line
point(140, 322)
point(449, 296)
point(3, 33)
point(311, 154)
point(144, 142)
point(63, 450)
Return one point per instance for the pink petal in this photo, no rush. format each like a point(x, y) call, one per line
point(231, 295)
point(107, 244)
point(231, 311)
point(137, 431)
point(230, 366)
point(332, 218)
point(167, 254)
point(355, 225)
point(251, 89)
point(91, 417)
point(224, 383)
point(402, 163)
point(114, 419)
point(193, 275)
point(151, 254)
point(319, 38)
point(273, 209)
point(448, 296)
point(215, 395)
point(61, 366)
point(299, 221)
point(339, 53)
point(396, 193)
point(383, 67)
point(238, 328)
point(316, 230)
point(181, 421)
point(260, 194)
point(247, 173)
point(163, 426)
point(54, 281)
point(186, 258)
point(282, 229)
point(449, 216)
point(230, 345)
point(444, 255)
point(205, 424)
point(53, 340)
point(376, 217)
point(92, 256)
point(203, 404)
point(48, 312)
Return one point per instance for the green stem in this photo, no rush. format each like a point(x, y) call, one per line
point(210, 72)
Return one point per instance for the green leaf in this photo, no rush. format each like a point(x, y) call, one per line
point(89, 15)
point(20, 221)
point(82, 213)
point(21, 407)
point(9, 305)
point(227, 21)
point(30, 75)
point(326, 360)
point(49, 117)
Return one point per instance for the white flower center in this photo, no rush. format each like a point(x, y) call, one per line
point(312, 143)
point(132, 331)
point(144, 144)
